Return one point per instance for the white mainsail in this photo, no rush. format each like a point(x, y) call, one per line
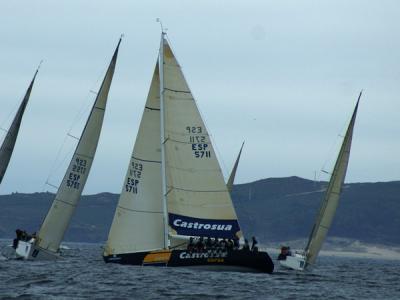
point(231, 179)
point(331, 201)
point(69, 192)
point(8, 144)
point(138, 220)
point(198, 200)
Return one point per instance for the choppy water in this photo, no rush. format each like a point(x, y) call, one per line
point(82, 274)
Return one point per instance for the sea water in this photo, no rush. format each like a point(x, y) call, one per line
point(82, 274)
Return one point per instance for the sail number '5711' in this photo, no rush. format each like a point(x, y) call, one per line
point(132, 181)
point(200, 147)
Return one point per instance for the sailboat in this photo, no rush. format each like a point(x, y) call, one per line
point(231, 178)
point(174, 189)
point(8, 144)
point(301, 260)
point(46, 244)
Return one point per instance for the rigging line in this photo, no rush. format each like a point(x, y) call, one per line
point(55, 168)
point(52, 185)
point(87, 104)
point(339, 139)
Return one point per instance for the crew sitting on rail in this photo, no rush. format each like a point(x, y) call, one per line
point(200, 244)
point(190, 246)
point(254, 243)
point(246, 245)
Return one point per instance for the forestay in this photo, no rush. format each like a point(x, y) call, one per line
point(138, 220)
point(330, 203)
point(69, 192)
point(198, 201)
point(7, 147)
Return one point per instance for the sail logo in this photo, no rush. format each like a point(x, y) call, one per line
point(197, 225)
point(189, 226)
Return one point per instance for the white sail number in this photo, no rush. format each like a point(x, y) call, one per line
point(198, 141)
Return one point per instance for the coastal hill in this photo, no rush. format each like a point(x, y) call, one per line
point(273, 209)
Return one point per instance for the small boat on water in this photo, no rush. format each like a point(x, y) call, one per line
point(46, 244)
point(8, 144)
point(299, 260)
point(174, 189)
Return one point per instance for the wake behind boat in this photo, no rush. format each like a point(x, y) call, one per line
point(174, 189)
point(299, 260)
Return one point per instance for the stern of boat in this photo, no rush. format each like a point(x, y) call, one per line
point(27, 250)
point(295, 262)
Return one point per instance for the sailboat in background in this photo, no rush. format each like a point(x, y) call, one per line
point(231, 179)
point(8, 144)
point(174, 189)
point(301, 260)
point(46, 244)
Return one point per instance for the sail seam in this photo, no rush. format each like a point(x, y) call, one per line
point(197, 191)
point(141, 211)
point(103, 109)
point(59, 200)
point(146, 160)
point(83, 155)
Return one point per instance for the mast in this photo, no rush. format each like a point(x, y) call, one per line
point(162, 135)
point(231, 179)
point(331, 201)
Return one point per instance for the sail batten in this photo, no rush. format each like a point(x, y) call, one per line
point(331, 200)
point(69, 192)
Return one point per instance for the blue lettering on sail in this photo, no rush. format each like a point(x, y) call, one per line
point(184, 225)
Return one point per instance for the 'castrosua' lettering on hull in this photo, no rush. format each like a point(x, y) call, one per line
point(186, 255)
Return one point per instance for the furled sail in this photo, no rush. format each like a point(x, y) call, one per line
point(11, 137)
point(69, 192)
point(331, 201)
point(231, 179)
point(138, 220)
point(198, 200)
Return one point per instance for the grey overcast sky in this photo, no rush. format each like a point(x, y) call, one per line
point(282, 75)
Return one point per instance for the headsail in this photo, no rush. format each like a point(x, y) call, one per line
point(11, 137)
point(69, 192)
point(231, 179)
point(330, 203)
point(138, 220)
point(198, 200)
